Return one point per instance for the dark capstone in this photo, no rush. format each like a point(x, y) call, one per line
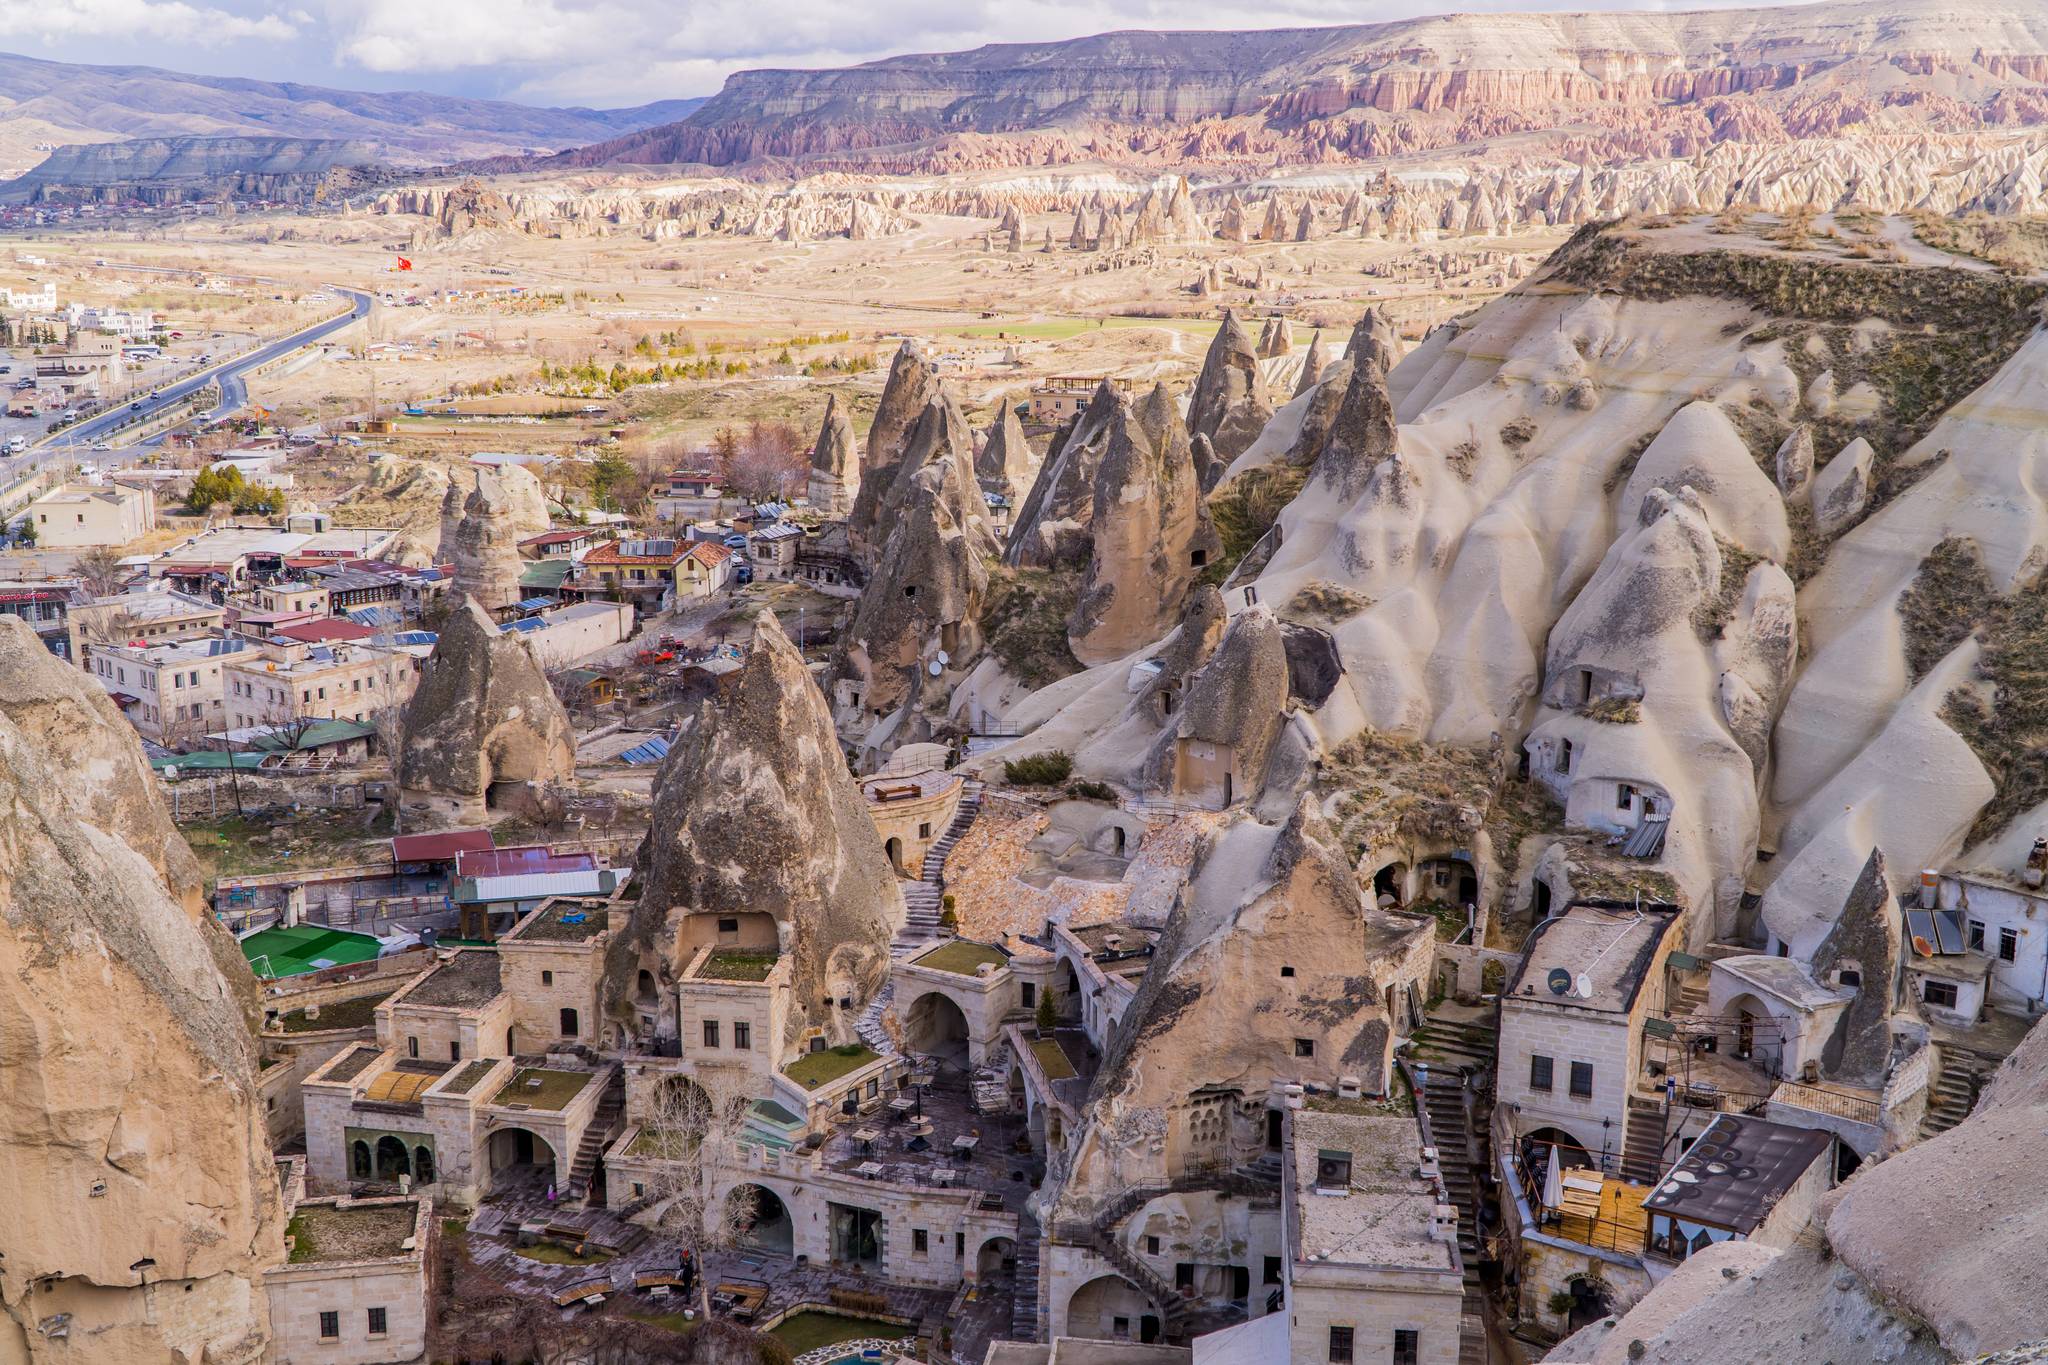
point(1313, 666)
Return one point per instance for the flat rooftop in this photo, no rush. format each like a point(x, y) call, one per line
point(1612, 950)
point(733, 964)
point(1387, 1213)
point(1735, 1173)
point(523, 860)
point(962, 957)
point(814, 1069)
point(563, 920)
point(326, 1233)
point(470, 978)
point(539, 1087)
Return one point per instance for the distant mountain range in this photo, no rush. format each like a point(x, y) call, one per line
point(45, 105)
point(1603, 85)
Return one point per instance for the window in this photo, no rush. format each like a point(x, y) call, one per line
point(412, 1047)
point(379, 1325)
point(742, 1035)
point(729, 925)
point(1564, 756)
point(330, 1326)
point(1151, 1246)
point(1624, 796)
point(2008, 945)
point(1582, 1080)
point(1942, 993)
point(1304, 1047)
point(924, 830)
point(1030, 995)
point(1120, 1327)
point(1340, 1346)
point(1272, 1270)
point(920, 1241)
point(1407, 1346)
point(1287, 971)
point(1540, 1069)
point(454, 1052)
point(547, 978)
point(1977, 935)
point(711, 1033)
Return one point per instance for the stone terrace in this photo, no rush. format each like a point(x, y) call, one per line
point(468, 979)
point(995, 1167)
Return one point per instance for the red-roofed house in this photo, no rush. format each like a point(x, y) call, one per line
point(652, 574)
point(324, 631)
point(571, 540)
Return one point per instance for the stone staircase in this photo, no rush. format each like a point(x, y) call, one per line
point(923, 899)
point(1642, 1147)
point(1955, 1090)
point(869, 1026)
point(605, 1125)
point(1454, 1050)
point(1024, 1321)
point(1692, 996)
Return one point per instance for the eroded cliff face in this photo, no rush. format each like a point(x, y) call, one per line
point(129, 1122)
point(1185, 1082)
point(1150, 538)
point(756, 816)
point(482, 718)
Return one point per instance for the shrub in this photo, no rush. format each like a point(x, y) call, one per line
point(1092, 791)
point(1039, 770)
point(1048, 1016)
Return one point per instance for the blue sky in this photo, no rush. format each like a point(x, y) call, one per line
point(607, 53)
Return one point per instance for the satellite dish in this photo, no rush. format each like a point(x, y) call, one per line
point(944, 657)
point(1559, 981)
point(1583, 987)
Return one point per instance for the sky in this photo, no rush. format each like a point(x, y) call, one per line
point(614, 53)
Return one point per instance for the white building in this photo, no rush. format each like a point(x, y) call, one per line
point(37, 298)
point(1571, 1023)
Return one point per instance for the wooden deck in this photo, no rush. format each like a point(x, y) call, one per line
point(1611, 1218)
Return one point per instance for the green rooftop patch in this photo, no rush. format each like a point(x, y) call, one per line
point(962, 957)
point(1053, 1059)
point(660, 1144)
point(555, 1090)
point(814, 1069)
point(466, 1080)
point(321, 1232)
point(730, 964)
point(358, 1013)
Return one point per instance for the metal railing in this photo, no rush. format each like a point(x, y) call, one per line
point(1855, 1108)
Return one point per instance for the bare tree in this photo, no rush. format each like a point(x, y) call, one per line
point(100, 570)
point(694, 1125)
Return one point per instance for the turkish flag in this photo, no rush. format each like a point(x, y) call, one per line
point(404, 264)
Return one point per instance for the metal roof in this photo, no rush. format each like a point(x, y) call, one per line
point(651, 751)
point(377, 617)
point(536, 886)
point(421, 848)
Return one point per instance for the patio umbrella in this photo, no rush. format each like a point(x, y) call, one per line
point(1553, 1183)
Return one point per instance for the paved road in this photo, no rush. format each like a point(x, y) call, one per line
point(231, 375)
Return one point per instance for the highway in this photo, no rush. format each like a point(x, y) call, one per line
point(231, 375)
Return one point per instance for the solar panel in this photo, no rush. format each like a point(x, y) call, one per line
point(1920, 928)
point(652, 751)
point(1948, 931)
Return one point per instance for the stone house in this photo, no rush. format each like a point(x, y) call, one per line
point(354, 1286)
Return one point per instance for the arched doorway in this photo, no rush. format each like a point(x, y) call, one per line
point(937, 1027)
point(393, 1160)
point(763, 1219)
point(1070, 993)
point(644, 988)
point(520, 1157)
point(997, 1258)
point(1754, 1033)
point(1590, 1301)
point(422, 1165)
point(1390, 881)
point(1111, 1308)
point(893, 846)
point(359, 1159)
point(1571, 1153)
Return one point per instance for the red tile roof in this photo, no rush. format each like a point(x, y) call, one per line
point(709, 553)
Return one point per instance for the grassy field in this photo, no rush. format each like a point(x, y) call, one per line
point(1066, 329)
point(808, 1330)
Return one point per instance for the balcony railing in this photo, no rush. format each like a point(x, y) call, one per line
point(1855, 1108)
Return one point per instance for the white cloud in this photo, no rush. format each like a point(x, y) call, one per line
point(619, 52)
point(166, 21)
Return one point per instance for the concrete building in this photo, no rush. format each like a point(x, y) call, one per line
point(354, 1288)
point(81, 517)
point(173, 693)
point(46, 605)
point(1571, 1023)
point(156, 616)
point(282, 681)
point(1372, 1272)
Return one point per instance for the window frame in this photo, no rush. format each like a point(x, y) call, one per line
point(1343, 1344)
point(1581, 1072)
point(1545, 1067)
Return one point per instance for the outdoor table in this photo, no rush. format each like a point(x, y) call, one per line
point(869, 1170)
point(963, 1146)
point(902, 1104)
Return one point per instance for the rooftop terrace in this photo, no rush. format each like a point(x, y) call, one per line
point(914, 1148)
point(537, 1087)
point(1386, 1213)
point(732, 964)
point(962, 957)
point(470, 978)
point(564, 920)
point(327, 1233)
point(814, 1069)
